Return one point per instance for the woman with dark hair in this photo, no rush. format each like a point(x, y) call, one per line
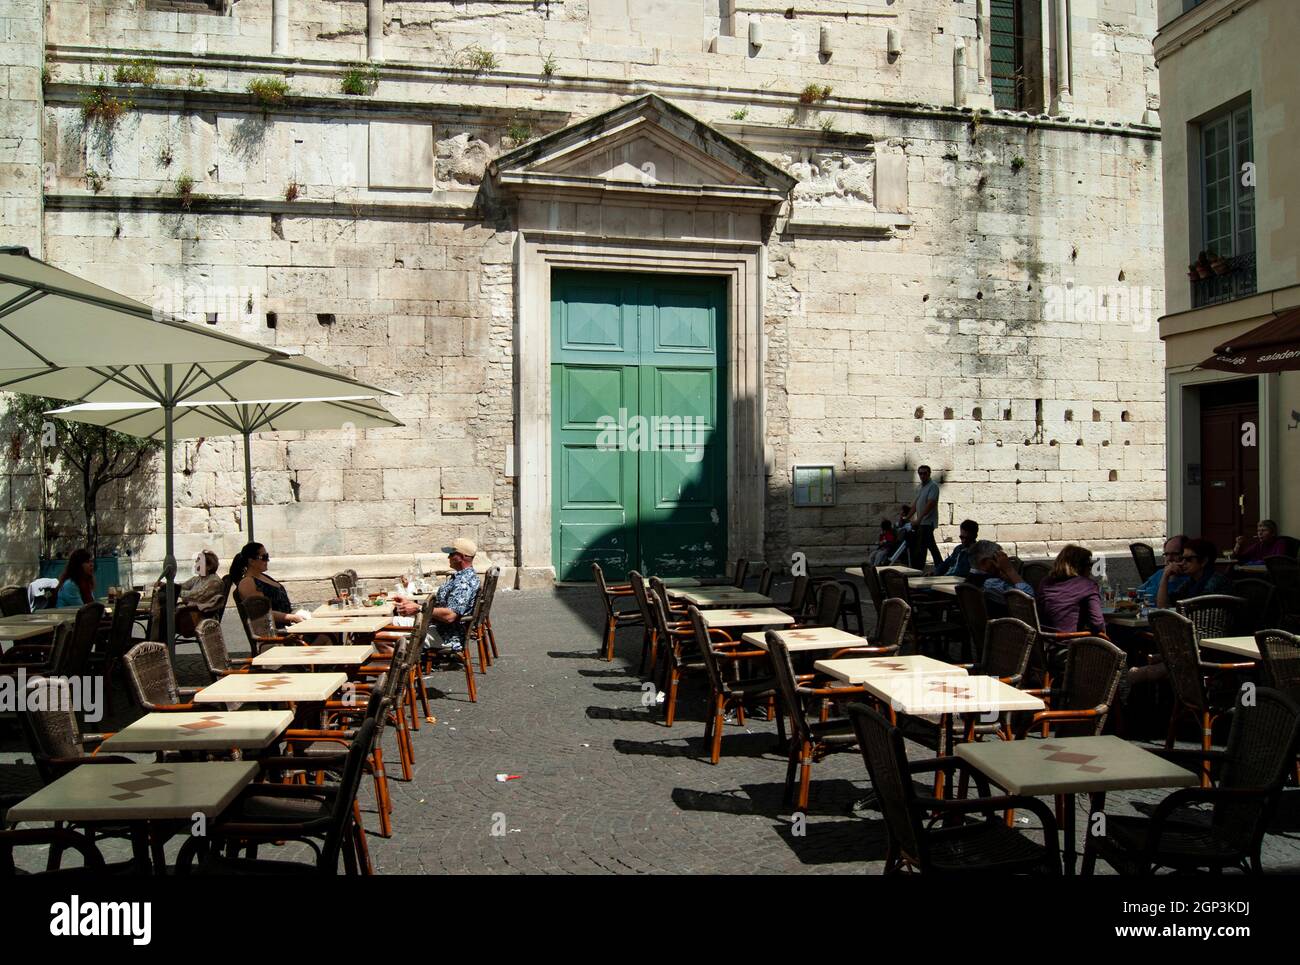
point(1068, 597)
point(248, 575)
point(1196, 563)
point(77, 584)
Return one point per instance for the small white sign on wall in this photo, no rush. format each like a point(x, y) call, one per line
point(813, 485)
point(460, 503)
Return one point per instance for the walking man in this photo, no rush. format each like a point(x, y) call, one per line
point(924, 517)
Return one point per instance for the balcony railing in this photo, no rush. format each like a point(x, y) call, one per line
point(1237, 281)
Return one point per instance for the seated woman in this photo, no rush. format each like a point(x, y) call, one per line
point(1068, 597)
point(77, 584)
point(1267, 543)
point(205, 589)
point(248, 575)
point(1197, 564)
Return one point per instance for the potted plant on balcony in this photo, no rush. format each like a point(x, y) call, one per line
point(1191, 272)
point(1218, 264)
point(1203, 269)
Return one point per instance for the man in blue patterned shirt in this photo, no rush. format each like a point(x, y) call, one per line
point(453, 601)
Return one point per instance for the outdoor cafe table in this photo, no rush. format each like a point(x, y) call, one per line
point(809, 638)
point(352, 656)
point(946, 585)
point(724, 597)
point(1132, 619)
point(338, 625)
point(138, 795)
point(858, 670)
point(325, 611)
point(677, 582)
point(905, 570)
point(735, 619)
point(947, 696)
point(265, 688)
point(1073, 765)
point(24, 626)
point(1237, 646)
point(202, 731)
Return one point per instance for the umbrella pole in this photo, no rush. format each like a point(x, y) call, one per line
point(169, 564)
point(248, 483)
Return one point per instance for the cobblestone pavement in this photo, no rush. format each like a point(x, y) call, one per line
point(603, 786)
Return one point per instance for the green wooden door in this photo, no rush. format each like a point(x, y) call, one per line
point(639, 417)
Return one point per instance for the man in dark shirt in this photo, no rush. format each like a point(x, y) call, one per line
point(958, 561)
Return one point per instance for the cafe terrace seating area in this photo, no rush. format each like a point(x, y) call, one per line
point(868, 721)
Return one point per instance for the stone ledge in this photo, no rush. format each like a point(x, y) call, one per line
point(845, 222)
point(449, 205)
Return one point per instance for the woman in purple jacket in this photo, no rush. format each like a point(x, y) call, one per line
point(1068, 599)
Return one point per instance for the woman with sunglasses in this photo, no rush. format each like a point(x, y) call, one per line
point(248, 574)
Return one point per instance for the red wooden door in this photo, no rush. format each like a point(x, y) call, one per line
point(1229, 473)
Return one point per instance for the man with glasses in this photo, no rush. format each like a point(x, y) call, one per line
point(1196, 564)
point(958, 561)
point(453, 601)
point(1172, 552)
point(924, 517)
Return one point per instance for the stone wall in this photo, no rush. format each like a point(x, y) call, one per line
point(933, 287)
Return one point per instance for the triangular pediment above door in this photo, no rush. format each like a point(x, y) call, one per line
point(646, 146)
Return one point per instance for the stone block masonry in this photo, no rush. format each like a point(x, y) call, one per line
point(946, 283)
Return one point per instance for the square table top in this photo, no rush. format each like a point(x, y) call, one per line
point(24, 626)
point(856, 670)
point(929, 582)
point(907, 571)
point(206, 731)
point(671, 582)
point(763, 617)
point(327, 611)
point(1125, 618)
point(1240, 646)
point(1072, 765)
point(266, 688)
point(370, 624)
point(137, 792)
point(728, 596)
point(922, 694)
point(289, 656)
point(809, 638)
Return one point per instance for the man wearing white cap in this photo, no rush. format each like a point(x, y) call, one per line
point(452, 602)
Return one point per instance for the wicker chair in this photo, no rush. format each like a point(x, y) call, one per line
point(650, 641)
point(895, 615)
point(825, 611)
point(152, 682)
point(721, 660)
point(1047, 658)
point(1191, 678)
point(1008, 643)
point(1144, 558)
point(677, 643)
point(1280, 654)
point(13, 601)
point(924, 626)
point(325, 817)
point(1261, 611)
point(957, 844)
point(345, 580)
point(798, 601)
point(216, 657)
point(464, 656)
point(811, 740)
point(849, 616)
point(739, 574)
point(615, 617)
point(258, 618)
point(53, 733)
point(1284, 572)
point(765, 577)
point(1215, 614)
point(975, 617)
point(1093, 669)
point(478, 629)
point(1033, 573)
point(875, 589)
point(1259, 756)
point(117, 641)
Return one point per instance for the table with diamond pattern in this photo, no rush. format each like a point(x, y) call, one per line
point(267, 688)
point(1066, 766)
point(206, 731)
point(857, 670)
point(328, 656)
point(734, 619)
point(809, 638)
point(721, 597)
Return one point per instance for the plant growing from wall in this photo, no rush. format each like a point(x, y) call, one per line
point(479, 59)
point(183, 189)
point(165, 156)
point(95, 180)
point(814, 94)
point(1017, 163)
point(195, 79)
point(101, 106)
point(292, 190)
point(360, 81)
point(45, 75)
point(93, 456)
point(519, 132)
point(828, 125)
point(739, 114)
point(136, 72)
point(549, 66)
point(268, 92)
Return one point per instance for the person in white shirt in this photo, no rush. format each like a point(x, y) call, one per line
point(924, 517)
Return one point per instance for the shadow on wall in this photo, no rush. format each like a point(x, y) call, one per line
point(43, 492)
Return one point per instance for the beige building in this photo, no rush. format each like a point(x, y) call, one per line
point(843, 238)
point(1230, 90)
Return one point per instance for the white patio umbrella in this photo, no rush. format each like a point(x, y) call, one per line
point(66, 338)
point(234, 418)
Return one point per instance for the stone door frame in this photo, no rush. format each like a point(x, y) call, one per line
point(537, 254)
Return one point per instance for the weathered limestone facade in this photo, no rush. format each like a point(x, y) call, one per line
point(914, 277)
